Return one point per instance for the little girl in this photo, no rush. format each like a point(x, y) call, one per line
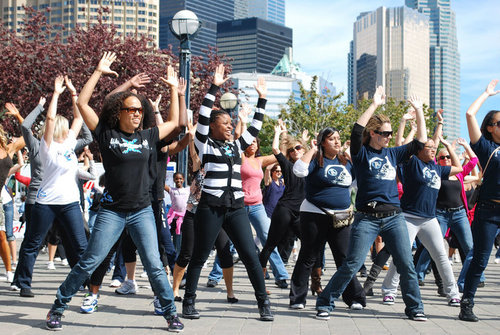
point(179, 196)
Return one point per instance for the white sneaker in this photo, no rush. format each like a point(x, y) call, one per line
point(144, 275)
point(51, 266)
point(128, 287)
point(115, 283)
point(10, 277)
point(295, 256)
point(89, 303)
point(14, 287)
point(297, 306)
point(356, 306)
point(497, 260)
point(451, 260)
point(57, 259)
point(64, 262)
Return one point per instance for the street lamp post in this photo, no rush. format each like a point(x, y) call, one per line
point(184, 26)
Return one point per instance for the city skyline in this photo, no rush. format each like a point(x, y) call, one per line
point(321, 43)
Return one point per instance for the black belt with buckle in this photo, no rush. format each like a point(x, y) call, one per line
point(381, 215)
point(456, 209)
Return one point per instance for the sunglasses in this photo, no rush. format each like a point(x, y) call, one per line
point(297, 147)
point(444, 157)
point(432, 148)
point(495, 124)
point(277, 171)
point(132, 110)
point(383, 133)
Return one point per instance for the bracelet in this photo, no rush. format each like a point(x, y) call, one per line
point(182, 95)
point(440, 122)
point(157, 112)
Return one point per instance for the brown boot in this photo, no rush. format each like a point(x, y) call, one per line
point(316, 281)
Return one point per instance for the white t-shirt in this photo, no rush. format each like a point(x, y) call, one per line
point(60, 168)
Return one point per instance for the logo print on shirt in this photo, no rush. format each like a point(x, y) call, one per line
point(128, 146)
point(431, 178)
point(68, 154)
point(382, 170)
point(106, 197)
point(227, 150)
point(338, 175)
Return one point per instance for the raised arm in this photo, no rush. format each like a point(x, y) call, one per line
point(411, 134)
point(194, 157)
point(76, 125)
point(378, 100)
point(419, 116)
point(137, 81)
point(241, 126)
point(456, 167)
point(472, 125)
point(171, 124)
point(401, 129)
point(439, 129)
point(89, 116)
point(178, 146)
point(12, 110)
point(51, 112)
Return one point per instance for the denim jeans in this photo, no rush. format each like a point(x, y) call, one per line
point(91, 222)
point(8, 209)
point(459, 224)
point(484, 227)
point(363, 232)
point(42, 217)
point(216, 273)
point(463, 272)
point(107, 229)
point(261, 222)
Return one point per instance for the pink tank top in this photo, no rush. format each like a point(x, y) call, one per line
point(251, 178)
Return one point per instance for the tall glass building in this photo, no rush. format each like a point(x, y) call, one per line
point(444, 61)
point(390, 48)
point(270, 10)
point(209, 12)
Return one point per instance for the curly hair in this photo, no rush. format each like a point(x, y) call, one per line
point(375, 122)
point(113, 104)
point(487, 122)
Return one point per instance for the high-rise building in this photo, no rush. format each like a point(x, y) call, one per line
point(270, 10)
point(390, 48)
point(444, 61)
point(129, 17)
point(209, 12)
point(255, 45)
point(350, 74)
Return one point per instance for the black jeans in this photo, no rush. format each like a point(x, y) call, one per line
point(187, 245)
point(208, 223)
point(282, 221)
point(315, 230)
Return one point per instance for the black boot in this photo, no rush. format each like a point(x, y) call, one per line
point(466, 313)
point(188, 310)
point(371, 278)
point(265, 311)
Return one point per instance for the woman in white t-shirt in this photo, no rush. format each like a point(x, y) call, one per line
point(58, 195)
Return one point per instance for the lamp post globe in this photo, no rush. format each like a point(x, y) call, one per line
point(228, 101)
point(184, 24)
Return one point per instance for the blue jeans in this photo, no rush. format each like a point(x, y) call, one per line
point(363, 232)
point(8, 209)
point(484, 228)
point(91, 222)
point(216, 273)
point(42, 217)
point(459, 224)
point(463, 272)
point(261, 222)
point(107, 229)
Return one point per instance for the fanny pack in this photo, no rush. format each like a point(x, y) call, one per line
point(340, 219)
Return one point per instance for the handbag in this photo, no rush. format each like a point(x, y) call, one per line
point(475, 195)
point(340, 219)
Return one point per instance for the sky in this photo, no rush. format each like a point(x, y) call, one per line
point(322, 30)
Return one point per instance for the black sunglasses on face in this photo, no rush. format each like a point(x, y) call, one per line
point(444, 157)
point(297, 147)
point(495, 124)
point(132, 110)
point(383, 133)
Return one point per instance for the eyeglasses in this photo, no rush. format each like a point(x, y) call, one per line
point(495, 124)
point(444, 157)
point(297, 147)
point(278, 171)
point(383, 133)
point(432, 148)
point(132, 110)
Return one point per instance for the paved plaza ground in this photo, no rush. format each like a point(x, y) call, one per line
point(134, 314)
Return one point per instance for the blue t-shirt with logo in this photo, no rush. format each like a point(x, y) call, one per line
point(328, 186)
point(490, 188)
point(421, 182)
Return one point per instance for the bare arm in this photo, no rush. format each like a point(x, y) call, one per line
point(419, 116)
point(76, 125)
point(401, 129)
point(52, 110)
point(137, 81)
point(279, 129)
point(472, 125)
point(89, 116)
point(194, 156)
point(178, 146)
point(456, 167)
point(12, 110)
point(378, 100)
point(242, 120)
point(168, 127)
point(439, 129)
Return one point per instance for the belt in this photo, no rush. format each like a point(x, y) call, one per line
point(456, 209)
point(381, 215)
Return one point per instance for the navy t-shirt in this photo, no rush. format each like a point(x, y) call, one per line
point(328, 186)
point(126, 159)
point(490, 188)
point(421, 182)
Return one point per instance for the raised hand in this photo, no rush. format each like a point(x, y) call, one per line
point(11, 109)
point(314, 144)
point(490, 89)
point(282, 125)
point(445, 142)
point(462, 142)
point(415, 102)
point(439, 115)
point(59, 85)
point(181, 89)
point(156, 103)
point(219, 75)
point(69, 85)
point(244, 112)
point(410, 115)
point(42, 101)
point(379, 96)
point(191, 130)
point(172, 79)
point(104, 64)
point(261, 87)
point(305, 135)
point(140, 80)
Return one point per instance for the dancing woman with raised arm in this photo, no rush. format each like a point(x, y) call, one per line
point(221, 203)
point(126, 150)
point(378, 210)
point(485, 141)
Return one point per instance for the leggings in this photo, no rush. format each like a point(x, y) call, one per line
point(187, 245)
point(282, 220)
point(316, 230)
point(209, 221)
